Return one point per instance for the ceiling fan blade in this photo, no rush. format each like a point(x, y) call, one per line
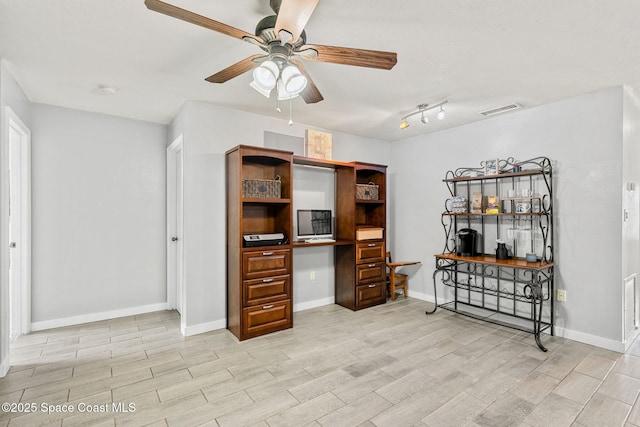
point(194, 18)
point(235, 70)
point(310, 93)
point(350, 56)
point(293, 16)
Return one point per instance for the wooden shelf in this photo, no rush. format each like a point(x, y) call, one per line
point(371, 202)
point(491, 260)
point(265, 200)
point(498, 176)
point(321, 163)
point(303, 244)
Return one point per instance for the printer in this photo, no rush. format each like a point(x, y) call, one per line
point(266, 239)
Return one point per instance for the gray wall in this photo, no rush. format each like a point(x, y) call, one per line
point(583, 137)
point(98, 190)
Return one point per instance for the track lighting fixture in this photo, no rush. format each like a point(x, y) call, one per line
point(422, 110)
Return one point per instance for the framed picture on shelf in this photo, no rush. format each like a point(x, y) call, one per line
point(318, 144)
point(492, 167)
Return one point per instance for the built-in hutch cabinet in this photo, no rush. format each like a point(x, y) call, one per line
point(259, 278)
point(360, 268)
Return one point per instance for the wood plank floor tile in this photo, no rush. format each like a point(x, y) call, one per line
point(603, 410)
point(621, 387)
point(208, 412)
point(259, 411)
point(357, 412)
point(578, 387)
point(457, 412)
point(554, 411)
point(306, 412)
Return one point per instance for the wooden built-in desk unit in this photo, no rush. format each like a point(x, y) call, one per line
point(260, 279)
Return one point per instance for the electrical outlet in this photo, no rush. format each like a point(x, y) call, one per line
point(312, 275)
point(561, 295)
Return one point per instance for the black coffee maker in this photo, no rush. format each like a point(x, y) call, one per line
point(467, 242)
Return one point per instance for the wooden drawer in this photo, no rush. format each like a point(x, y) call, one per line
point(373, 272)
point(371, 294)
point(258, 264)
point(268, 289)
point(370, 252)
point(267, 318)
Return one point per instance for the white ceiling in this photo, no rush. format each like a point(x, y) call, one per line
point(475, 54)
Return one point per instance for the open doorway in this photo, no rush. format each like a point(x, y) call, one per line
point(175, 235)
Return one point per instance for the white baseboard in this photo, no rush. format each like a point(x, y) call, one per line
point(607, 343)
point(313, 304)
point(4, 368)
point(201, 328)
point(96, 317)
point(421, 296)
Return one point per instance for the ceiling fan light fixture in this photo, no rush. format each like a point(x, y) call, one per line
point(294, 81)
point(283, 95)
point(264, 92)
point(266, 75)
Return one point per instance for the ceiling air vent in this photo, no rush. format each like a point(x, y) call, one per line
point(501, 110)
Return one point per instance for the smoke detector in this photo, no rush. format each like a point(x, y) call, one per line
point(103, 89)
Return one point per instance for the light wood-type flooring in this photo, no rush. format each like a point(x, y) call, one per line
point(389, 365)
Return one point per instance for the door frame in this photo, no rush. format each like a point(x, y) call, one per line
point(175, 229)
point(10, 120)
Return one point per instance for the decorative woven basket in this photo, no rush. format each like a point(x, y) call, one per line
point(368, 191)
point(262, 188)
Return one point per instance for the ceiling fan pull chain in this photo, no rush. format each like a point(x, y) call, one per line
point(290, 107)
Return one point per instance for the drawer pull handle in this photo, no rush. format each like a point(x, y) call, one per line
point(372, 286)
point(267, 280)
point(371, 245)
point(267, 307)
point(372, 265)
point(267, 253)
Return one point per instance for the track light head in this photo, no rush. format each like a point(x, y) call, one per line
point(422, 109)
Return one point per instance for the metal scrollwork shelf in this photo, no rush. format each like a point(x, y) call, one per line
point(511, 292)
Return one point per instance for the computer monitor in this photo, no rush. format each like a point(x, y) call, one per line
point(315, 223)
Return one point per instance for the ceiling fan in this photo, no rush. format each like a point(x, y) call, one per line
point(283, 39)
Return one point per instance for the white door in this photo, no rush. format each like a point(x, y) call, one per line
point(15, 227)
point(19, 226)
point(175, 244)
point(179, 235)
